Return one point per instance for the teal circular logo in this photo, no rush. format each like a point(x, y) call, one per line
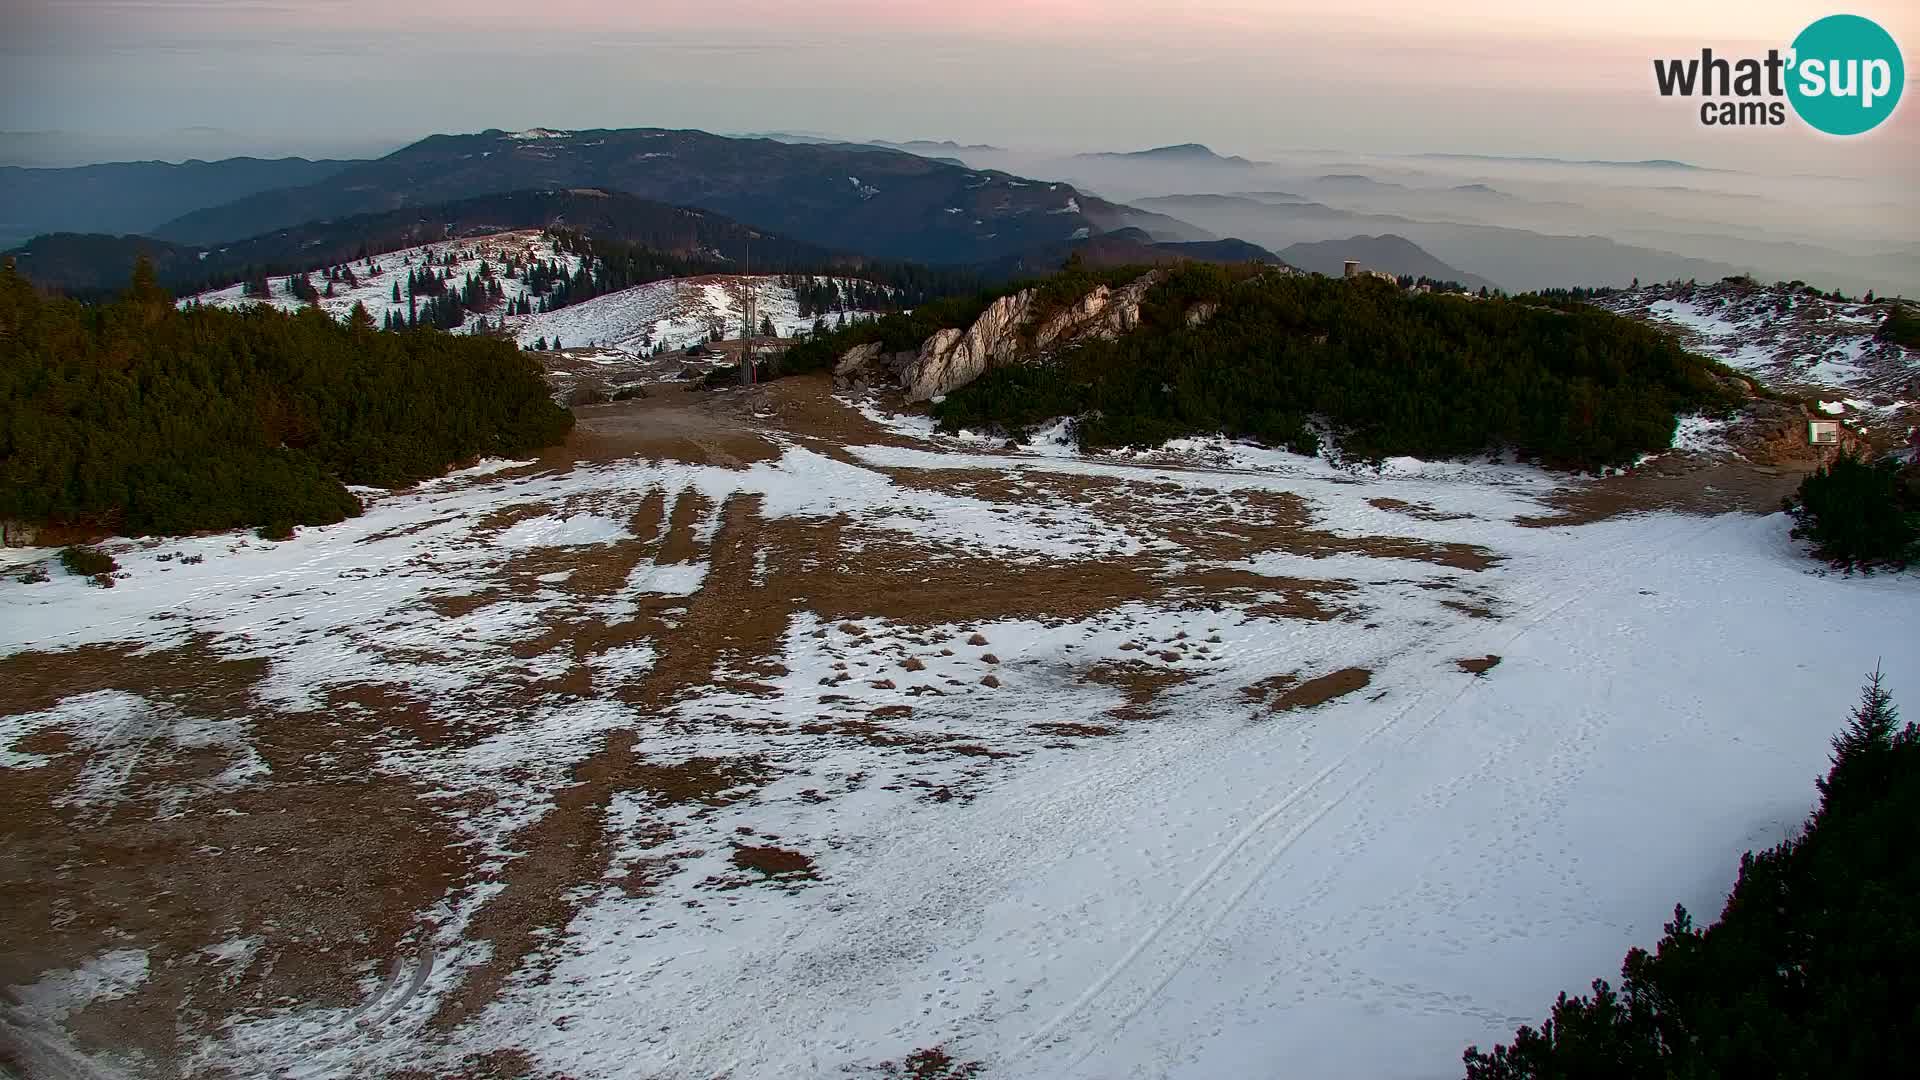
point(1846, 75)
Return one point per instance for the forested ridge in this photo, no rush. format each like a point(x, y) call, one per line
point(1391, 372)
point(636, 241)
point(141, 417)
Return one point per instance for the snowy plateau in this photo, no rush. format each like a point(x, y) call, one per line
point(786, 739)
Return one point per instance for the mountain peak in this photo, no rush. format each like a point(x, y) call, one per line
point(1196, 153)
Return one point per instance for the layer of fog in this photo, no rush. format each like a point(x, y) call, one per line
point(1528, 223)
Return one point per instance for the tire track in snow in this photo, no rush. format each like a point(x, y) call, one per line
point(355, 1030)
point(422, 967)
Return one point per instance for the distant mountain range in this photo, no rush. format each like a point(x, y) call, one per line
point(1514, 259)
point(872, 200)
point(892, 201)
point(1394, 254)
point(923, 147)
point(1128, 247)
point(85, 264)
point(1650, 163)
point(1181, 154)
point(137, 196)
point(1356, 182)
point(927, 147)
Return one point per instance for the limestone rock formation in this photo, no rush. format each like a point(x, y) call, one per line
point(1102, 313)
point(1006, 334)
point(856, 360)
point(953, 358)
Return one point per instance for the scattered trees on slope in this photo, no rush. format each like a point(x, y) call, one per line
point(144, 418)
point(1812, 970)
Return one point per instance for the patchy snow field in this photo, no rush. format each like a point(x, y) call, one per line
point(1793, 342)
point(674, 313)
point(1074, 767)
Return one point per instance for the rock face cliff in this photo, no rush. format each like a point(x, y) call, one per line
point(953, 358)
point(1010, 331)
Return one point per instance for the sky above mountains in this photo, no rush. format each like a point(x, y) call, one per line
point(174, 78)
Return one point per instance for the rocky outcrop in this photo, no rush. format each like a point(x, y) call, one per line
point(953, 358)
point(857, 360)
point(1774, 434)
point(1102, 313)
point(1006, 334)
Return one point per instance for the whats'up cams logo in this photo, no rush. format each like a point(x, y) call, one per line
point(1842, 75)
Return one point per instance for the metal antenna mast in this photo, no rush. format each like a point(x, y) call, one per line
point(747, 306)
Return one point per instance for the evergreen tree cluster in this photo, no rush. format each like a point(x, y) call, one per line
point(145, 418)
point(1392, 373)
point(1901, 326)
point(300, 287)
point(820, 296)
point(1859, 515)
point(1813, 969)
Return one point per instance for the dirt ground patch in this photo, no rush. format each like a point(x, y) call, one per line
point(1285, 693)
point(773, 862)
point(1479, 665)
point(1719, 487)
point(805, 405)
point(709, 781)
point(677, 423)
point(1143, 685)
point(318, 867)
point(1422, 511)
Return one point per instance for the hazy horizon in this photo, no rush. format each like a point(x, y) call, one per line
point(1250, 77)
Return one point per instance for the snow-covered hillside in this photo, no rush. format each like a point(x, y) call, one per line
point(1793, 341)
point(674, 313)
point(374, 278)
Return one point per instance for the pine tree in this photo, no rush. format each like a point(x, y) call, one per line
point(1862, 753)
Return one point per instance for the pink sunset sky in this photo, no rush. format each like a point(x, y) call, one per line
point(1246, 76)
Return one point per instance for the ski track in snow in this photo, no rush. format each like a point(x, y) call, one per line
point(1360, 888)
